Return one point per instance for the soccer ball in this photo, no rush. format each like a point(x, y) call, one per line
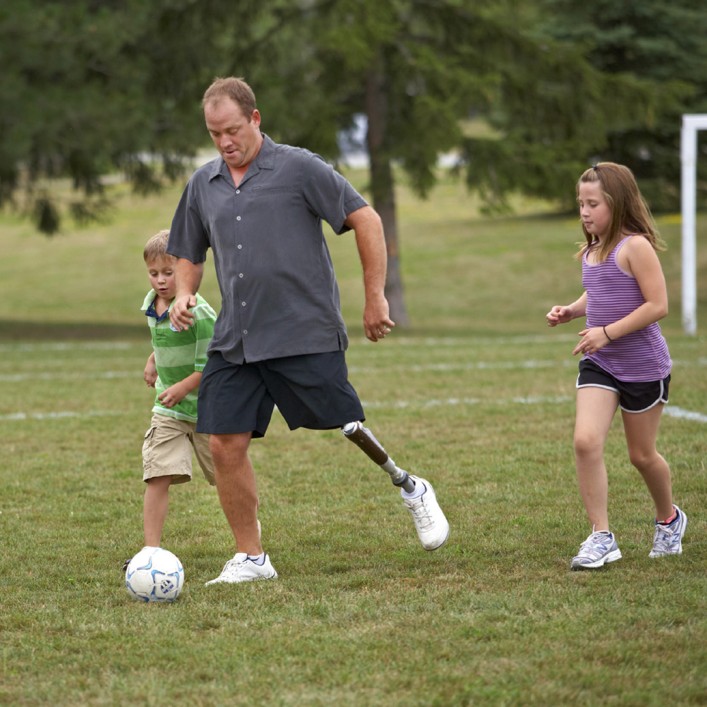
point(154, 574)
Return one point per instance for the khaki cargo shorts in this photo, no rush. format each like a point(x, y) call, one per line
point(168, 447)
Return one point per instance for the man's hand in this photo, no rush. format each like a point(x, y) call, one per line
point(179, 315)
point(377, 323)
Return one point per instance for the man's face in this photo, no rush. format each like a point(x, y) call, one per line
point(237, 137)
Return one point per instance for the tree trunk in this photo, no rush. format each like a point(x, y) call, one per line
point(383, 187)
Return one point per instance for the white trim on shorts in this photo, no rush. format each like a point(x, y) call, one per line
point(659, 401)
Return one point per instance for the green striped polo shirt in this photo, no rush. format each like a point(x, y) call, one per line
point(179, 353)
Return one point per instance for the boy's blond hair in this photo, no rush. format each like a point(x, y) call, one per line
point(156, 247)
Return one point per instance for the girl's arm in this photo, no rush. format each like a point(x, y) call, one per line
point(639, 259)
point(561, 314)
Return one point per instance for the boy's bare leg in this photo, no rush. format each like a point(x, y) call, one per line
point(155, 506)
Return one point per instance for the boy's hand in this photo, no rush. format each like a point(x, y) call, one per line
point(173, 395)
point(179, 315)
point(150, 373)
point(150, 378)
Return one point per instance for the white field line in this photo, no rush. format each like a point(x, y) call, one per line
point(671, 411)
point(412, 368)
point(64, 376)
point(402, 340)
point(69, 346)
point(61, 415)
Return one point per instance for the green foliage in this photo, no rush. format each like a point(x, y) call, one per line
point(90, 88)
point(662, 44)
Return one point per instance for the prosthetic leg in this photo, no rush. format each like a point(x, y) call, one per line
point(363, 437)
point(430, 522)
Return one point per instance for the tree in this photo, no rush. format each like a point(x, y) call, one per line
point(655, 41)
point(417, 69)
point(91, 86)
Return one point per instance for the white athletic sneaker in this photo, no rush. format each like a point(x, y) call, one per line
point(668, 538)
point(597, 550)
point(242, 569)
point(431, 525)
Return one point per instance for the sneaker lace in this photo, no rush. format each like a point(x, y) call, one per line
point(663, 537)
point(232, 567)
point(595, 545)
point(422, 513)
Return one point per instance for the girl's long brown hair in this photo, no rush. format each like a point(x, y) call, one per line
point(629, 212)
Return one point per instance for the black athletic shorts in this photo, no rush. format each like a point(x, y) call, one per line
point(633, 397)
point(310, 391)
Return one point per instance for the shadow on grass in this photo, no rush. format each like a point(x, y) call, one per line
point(70, 331)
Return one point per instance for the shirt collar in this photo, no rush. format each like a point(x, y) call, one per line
point(149, 307)
point(265, 159)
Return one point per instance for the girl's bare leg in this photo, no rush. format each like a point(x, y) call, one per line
point(595, 411)
point(641, 431)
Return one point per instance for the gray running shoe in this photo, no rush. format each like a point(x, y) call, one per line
point(668, 538)
point(597, 550)
point(242, 569)
point(430, 522)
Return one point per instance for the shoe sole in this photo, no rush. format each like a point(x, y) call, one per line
point(609, 557)
point(240, 581)
point(432, 548)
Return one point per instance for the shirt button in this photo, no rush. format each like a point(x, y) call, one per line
point(239, 246)
point(240, 274)
point(238, 218)
point(242, 304)
point(245, 331)
point(238, 191)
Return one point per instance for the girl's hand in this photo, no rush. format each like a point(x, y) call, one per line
point(591, 340)
point(559, 314)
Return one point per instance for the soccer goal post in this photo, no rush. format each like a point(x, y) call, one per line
point(688, 191)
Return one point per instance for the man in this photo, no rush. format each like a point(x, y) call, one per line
point(280, 337)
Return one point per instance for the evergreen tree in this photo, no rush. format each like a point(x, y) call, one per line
point(654, 41)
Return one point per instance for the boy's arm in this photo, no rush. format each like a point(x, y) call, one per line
point(150, 374)
point(177, 392)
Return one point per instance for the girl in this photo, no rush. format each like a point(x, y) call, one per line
point(625, 361)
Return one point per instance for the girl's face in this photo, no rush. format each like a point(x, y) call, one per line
point(162, 279)
point(594, 210)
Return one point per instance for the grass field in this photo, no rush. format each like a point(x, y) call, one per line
point(477, 396)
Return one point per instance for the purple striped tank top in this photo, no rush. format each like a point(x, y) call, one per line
point(611, 295)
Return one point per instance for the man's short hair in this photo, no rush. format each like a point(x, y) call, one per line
point(234, 88)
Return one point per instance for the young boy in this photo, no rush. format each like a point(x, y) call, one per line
point(174, 370)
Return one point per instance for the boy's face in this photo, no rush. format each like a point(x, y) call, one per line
point(162, 279)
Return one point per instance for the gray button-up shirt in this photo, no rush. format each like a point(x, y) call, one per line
point(278, 288)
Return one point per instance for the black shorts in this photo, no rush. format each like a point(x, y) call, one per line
point(633, 397)
point(310, 391)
